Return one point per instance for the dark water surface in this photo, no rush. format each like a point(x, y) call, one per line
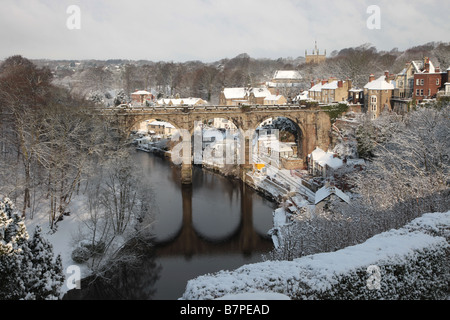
point(215, 224)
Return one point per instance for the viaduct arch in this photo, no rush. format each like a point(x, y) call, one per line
point(314, 123)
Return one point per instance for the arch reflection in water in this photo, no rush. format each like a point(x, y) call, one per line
point(196, 239)
point(215, 224)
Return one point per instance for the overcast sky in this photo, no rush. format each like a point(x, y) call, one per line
point(209, 30)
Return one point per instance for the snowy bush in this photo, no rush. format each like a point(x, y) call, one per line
point(412, 262)
point(85, 250)
point(81, 254)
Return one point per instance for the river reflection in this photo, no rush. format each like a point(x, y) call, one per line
point(215, 224)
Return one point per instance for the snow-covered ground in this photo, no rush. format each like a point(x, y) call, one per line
point(64, 239)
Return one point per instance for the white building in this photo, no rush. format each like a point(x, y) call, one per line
point(321, 163)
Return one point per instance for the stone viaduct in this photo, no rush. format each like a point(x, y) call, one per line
point(313, 124)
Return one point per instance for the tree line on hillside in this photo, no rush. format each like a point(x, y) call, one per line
point(206, 80)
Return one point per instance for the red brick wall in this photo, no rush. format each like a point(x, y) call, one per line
point(426, 85)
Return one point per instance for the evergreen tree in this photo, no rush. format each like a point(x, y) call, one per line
point(27, 267)
point(13, 236)
point(45, 276)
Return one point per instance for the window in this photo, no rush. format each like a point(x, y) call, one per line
point(418, 82)
point(417, 92)
point(421, 92)
point(429, 92)
point(421, 82)
point(437, 82)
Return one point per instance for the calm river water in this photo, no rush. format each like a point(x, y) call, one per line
point(215, 224)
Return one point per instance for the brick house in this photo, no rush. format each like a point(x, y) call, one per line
point(428, 81)
point(141, 96)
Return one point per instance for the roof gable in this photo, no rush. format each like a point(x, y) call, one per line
point(327, 191)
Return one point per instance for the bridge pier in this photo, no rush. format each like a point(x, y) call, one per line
point(186, 173)
point(247, 165)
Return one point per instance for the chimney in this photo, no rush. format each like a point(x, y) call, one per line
point(312, 83)
point(427, 65)
point(324, 82)
point(371, 77)
point(438, 70)
point(340, 84)
point(386, 74)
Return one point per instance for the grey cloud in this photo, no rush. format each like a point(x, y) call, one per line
point(182, 30)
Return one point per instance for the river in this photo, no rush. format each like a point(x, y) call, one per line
point(215, 224)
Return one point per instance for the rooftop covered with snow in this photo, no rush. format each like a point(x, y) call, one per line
point(287, 75)
point(379, 84)
point(326, 158)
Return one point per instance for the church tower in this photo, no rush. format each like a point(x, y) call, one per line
point(315, 57)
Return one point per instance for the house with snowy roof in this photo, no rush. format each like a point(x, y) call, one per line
point(378, 94)
point(428, 81)
point(315, 92)
point(329, 193)
point(303, 96)
point(275, 100)
point(257, 95)
point(233, 96)
point(323, 163)
point(141, 97)
point(162, 128)
point(182, 102)
point(335, 91)
point(420, 79)
point(284, 81)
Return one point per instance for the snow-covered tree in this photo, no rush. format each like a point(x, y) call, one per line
point(45, 274)
point(13, 236)
point(28, 269)
point(121, 98)
point(412, 164)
